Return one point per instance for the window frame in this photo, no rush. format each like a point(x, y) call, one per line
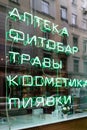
point(45, 6)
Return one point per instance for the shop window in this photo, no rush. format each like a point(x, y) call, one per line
point(75, 41)
point(74, 19)
point(63, 13)
point(76, 65)
point(45, 7)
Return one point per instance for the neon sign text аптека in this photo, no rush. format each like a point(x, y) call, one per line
point(43, 24)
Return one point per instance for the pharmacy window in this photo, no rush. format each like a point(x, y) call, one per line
point(45, 7)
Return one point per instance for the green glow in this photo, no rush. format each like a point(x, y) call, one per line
point(16, 35)
point(50, 101)
point(24, 58)
point(16, 102)
point(37, 21)
point(17, 58)
point(27, 80)
point(54, 29)
point(43, 24)
point(39, 81)
point(46, 26)
point(57, 65)
point(64, 32)
point(27, 102)
point(46, 63)
point(28, 18)
point(38, 101)
point(49, 81)
point(14, 14)
point(13, 56)
point(30, 40)
point(50, 45)
point(36, 61)
point(11, 80)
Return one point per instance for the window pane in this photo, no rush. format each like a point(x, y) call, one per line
point(45, 7)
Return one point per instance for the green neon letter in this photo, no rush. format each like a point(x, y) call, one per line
point(46, 63)
point(50, 45)
point(37, 21)
point(16, 35)
point(54, 29)
point(30, 40)
point(16, 102)
point(75, 49)
point(13, 56)
point(25, 57)
point(49, 81)
point(57, 65)
point(39, 101)
point(64, 32)
point(46, 26)
point(11, 80)
point(50, 101)
point(60, 47)
point(27, 102)
point(28, 18)
point(27, 80)
point(39, 81)
point(36, 61)
point(15, 14)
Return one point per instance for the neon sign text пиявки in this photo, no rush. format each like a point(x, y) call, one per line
point(38, 101)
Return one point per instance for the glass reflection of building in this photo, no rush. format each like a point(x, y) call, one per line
point(65, 14)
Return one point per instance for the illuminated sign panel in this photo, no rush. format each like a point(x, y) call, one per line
point(19, 38)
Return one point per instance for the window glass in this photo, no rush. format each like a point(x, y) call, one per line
point(43, 63)
point(45, 7)
point(76, 65)
point(63, 13)
point(74, 19)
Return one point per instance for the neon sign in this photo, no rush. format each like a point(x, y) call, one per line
point(43, 24)
point(50, 45)
point(38, 101)
point(18, 37)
